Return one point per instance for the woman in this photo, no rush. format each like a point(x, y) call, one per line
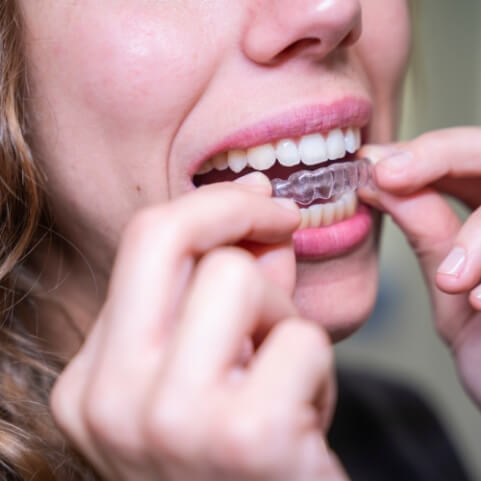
point(208, 313)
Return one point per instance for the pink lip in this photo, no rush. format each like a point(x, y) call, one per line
point(323, 242)
point(336, 239)
point(347, 112)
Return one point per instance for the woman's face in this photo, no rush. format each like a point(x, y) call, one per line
point(130, 97)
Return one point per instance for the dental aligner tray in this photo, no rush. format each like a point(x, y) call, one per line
point(306, 186)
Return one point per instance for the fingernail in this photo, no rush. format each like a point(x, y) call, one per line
point(399, 161)
point(377, 152)
point(477, 293)
point(454, 262)
point(254, 179)
point(391, 157)
point(286, 203)
point(368, 193)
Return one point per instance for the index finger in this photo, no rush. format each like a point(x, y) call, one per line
point(406, 167)
point(159, 250)
point(152, 270)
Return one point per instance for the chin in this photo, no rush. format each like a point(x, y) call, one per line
point(339, 293)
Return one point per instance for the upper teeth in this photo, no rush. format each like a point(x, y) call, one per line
point(311, 149)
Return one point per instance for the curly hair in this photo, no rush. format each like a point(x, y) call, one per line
point(31, 447)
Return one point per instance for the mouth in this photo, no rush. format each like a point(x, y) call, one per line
point(329, 226)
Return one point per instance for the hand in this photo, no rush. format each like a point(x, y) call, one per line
point(411, 176)
point(198, 367)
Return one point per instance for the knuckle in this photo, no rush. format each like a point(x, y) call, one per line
point(61, 403)
point(312, 339)
point(143, 220)
point(230, 265)
point(169, 430)
point(146, 223)
point(102, 417)
point(445, 327)
point(105, 420)
point(246, 444)
point(306, 332)
point(425, 144)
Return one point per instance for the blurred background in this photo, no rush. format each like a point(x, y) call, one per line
point(443, 89)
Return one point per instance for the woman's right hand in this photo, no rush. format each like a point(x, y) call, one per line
point(164, 387)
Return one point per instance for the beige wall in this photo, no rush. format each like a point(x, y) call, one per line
point(444, 90)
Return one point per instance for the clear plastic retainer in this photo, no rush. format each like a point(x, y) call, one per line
point(305, 186)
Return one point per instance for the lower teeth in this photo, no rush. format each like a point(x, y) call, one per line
point(326, 214)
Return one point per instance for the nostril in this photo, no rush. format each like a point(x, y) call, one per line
point(311, 29)
point(350, 39)
point(295, 48)
point(353, 35)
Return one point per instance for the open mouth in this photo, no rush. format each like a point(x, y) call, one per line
point(279, 160)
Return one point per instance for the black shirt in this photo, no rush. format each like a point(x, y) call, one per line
point(384, 431)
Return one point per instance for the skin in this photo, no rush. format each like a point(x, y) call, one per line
point(140, 88)
point(411, 177)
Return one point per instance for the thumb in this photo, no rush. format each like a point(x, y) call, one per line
point(430, 226)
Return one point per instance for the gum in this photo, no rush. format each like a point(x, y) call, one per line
point(306, 186)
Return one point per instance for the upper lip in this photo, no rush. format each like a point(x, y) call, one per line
point(304, 120)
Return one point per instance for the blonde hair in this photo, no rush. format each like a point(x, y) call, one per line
point(31, 448)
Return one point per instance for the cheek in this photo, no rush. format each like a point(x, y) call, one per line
point(385, 43)
point(131, 69)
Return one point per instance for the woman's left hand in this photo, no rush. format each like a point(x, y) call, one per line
point(410, 177)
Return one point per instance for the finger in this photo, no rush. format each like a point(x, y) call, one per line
point(431, 227)
point(465, 189)
point(66, 401)
point(153, 267)
point(467, 350)
point(293, 367)
point(460, 271)
point(157, 256)
point(163, 241)
point(408, 166)
point(475, 297)
point(229, 297)
point(277, 262)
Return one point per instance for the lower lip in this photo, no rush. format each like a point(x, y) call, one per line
point(334, 240)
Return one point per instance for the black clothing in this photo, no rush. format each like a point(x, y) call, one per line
point(383, 431)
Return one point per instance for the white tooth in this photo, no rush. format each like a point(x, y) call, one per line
point(237, 160)
point(206, 167)
point(220, 161)
point(328, 214)
point(321, 215)
point(262, 157)
point(305, 218)
point(350, 141)
point(287, 153)
point(313, 149)
point(350, 201)
point(339, 210)
point(357, 133)
point(315, 212)
point(335, 144)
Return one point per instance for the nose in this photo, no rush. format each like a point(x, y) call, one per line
point(279, 28)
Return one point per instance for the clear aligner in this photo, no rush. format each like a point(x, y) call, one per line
point(306, 186)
